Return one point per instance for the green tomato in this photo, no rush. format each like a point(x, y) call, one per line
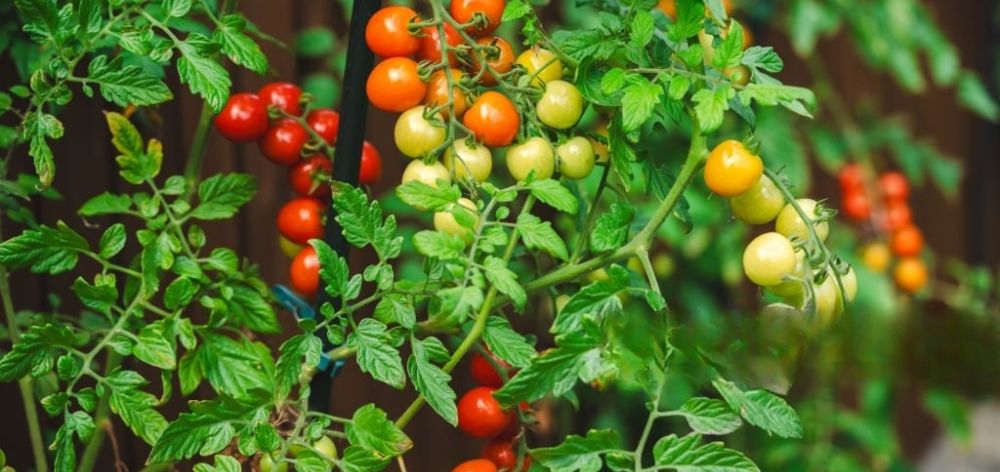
point(768, 259)
point(267, 464)
point(535, 154)
point(760, 204)
point(576, 157)
point(791, 225)
point(326, 447)
point(415, 135)
point(828, 304)
point(428, 174)
point(850, 281)
point(663, 265)
point(793, 291)
point(560, 106)
point(542, 64)
point(445, 222)
point(473, 161)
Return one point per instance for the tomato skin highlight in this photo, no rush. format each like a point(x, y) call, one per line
point(910, 274)
point(387, 32)
point(302, 176)
point(325, 122)
point(503, 454)
point(284, 96)
point(243, 118)
point(483, 372)
point(283, 142)
point(394, 85)
point(475, 465)
point(731, 169)
point(493, 119)
point(907, 241)
point(301, 219)
point(417, 136)
point(463, 11)
point(480, 415)
point(502, 63)
point(303, 272)
point(371, 165)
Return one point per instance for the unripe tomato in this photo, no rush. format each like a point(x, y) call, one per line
point(243, 119)
point(283, 96)
point(500, 60)
point(502, 453)
point(792, 290)
point(739, 75)
point(897, 215)
point(560, 106)
point(850, 281)
point(542, 65)
point(326, 447)
point(480, 415)
point(283, 142)
point(473, 161)
point(388, 33)
point(476, 465)
point(437, 92)
point(395, 86)
point(768, 259)
point(301, 219)
point(493, 119)
point(894, 187)
point(790, 224)
point(535, 154)
point(371, 165)
point(309, 176)
point(325, 122)
point(731, 169)
point(430, 44)
point(856, 206)
point(828, 303)
point(876, 256)
point(428, 174)
point(663, 265)
point(576, 157)
point(289, 248)
point(760, 204)
point(303, 273)
point(908, 241)
point(483, 372)
point(267, 464)
point(851, 177)
point(417, 136)
point(911, 274)
point(445, 222)
point(463, 12)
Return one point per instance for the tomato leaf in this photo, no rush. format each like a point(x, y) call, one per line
point(538, 234)
point(506, 343)
point(688, 454)
point(237, 46)
point(710, 416)
point(432, 383)
point(376, 355)
point(579, 453)
point(504, 280)
point(762, 409)
point(45, 249)
point(34, 352)
point(554, 194)
point(371, 429)
point(612, 228)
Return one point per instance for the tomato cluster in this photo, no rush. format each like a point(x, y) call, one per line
point(290, 134)
point(883, 205)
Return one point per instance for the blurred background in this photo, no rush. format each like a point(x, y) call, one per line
point(903, 383)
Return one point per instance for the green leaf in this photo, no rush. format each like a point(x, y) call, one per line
point(710, 416)
point(106, 204)
point(553, 372)
point(506, 343)
point(371, 429)
point(177, 8)
point(515, 10)
point(112, 241)
point(426, 197)
point(594, 301)
point(395, 308)
point(44, 250)
point(235, 367)
point(504, 280)
point(762, 409)
point(299, 350)
point(221, 196)
point(126, 85)
point(795, 99)
point(579, 453)
point(153, 348)
point(432, 383)
point(763, 58)
point(359, 459)
point(974, 96)
point(678, 87)
point(690, 20)
point(555, 195)
point(333, 268)
point(251, 308)
point(376, 356)
point(439, 245)
point(711, 105)
point(613, 81)
point(237, 46)
point(951, 411)
point(32, 353)
point(638, 102)
point(43, 20)
point(208, 428)
point(612, 228)
point(136, 408)
point(179, 293)
point(730, 51)
point(100, 297)
point(689, 455)
point(642, 28)
point(203, 76)
point(538, 234)
point(137, 165)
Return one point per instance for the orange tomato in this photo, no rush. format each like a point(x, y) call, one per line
point(911, 274)
point(908, 241)
point(500, 60)
point(430, 44)
point(731, 169)
point(856, 206)
point(463, 11)
point(395, 86)
point(897, 215)
point(437, 92)
point(387, 33)
point(493, 119)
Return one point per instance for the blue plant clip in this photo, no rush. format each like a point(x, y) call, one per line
point(302, 309)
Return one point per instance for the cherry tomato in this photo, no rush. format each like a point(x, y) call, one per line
point(911, 274)
point(437, 92)
point(283, 96)
point(308, 176)
point(283, 142)
point(502, 453)
point(894, 187)
point(493, 119)
point(668, 7)
point(850, 281)
point(301, 219)
point(739, 75)
point(267, 464)
point(417, 136)
point(395, 86)
point(430, 44)
point(371, 165)
point(760, 204)
point(828, 303)
point(480, 415)
point(731, 169)
point(908, 241)
point(463, 11)
point(876, 256)
point(535, 154)
point(897, 215)
point(542, 65)
point(325, 122)
point(792, 290)
point(790, 224)
point(326, 447)
point(473, 161)
point(476, 465)
point(560, 106)
point(428, 174)
point(289, 248)
point(445, 221)
point(856, 206)
point(388, 34)
point(243, 119)
point(663, 265)
point(851, 177)
point(576, 157)
point(304, 272)
point(484, 373)
point(769, 259)
point(500, 59)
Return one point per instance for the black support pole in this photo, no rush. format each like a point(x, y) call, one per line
point(347, 156)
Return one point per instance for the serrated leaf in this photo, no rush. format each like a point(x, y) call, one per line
point(426, 197)
point(432, 383)
point(762, 409)
point(32, 353)
point(221, 196)
point(299, 350)
point(205, 77)
point(208, 428)
point(135, 407)
point(506, 343)
point(689, 455)
point(579, 453)
point(710, 416)
point(237, 46)
point(126, 85)
point(612, 228)
point(106, 204)
point(439, 245)
point(153, 348)
point(376, 356)
point(112, 241)
point(638, 102)
point(538, 234)
point(553, 372)
point(371, 429)
point(505, 281)
point(44, 250)
point(554, 194)
point(710, 106)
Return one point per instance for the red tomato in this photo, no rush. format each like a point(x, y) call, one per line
point(851, 177)
point(908, 241)
point(282, 95)
point(307, 176)
point(476, 465)
point(325, 122)
point(395, 86)
point(304, 272)
point(388, 33)
point(430, 44)
point(894, 187)
point(283, 141)
point(243, 119)
point(480, 415)
point(437, 92)
point(856, 205)
point(371, 165)
point(502, 453)
point(897, 215)
point(464, 11)
point(501, 60)
point(484, 373)
point(493, 119)
point(301, 219)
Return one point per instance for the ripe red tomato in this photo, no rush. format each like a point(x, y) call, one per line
point(908, 241)
point(430, 44)
point(243, 119)
point(283, 141)
point(437, 92)
point(388, 33)
point(304, 272)
point(856, 205)
point(307, 176)
point(282, 95)
point(851, 177)
point(480, 415)
point(502, 453)
point(301, 219)
point(475, 465)
point(500, 60)
point(371, 165)
point(395, 86)
point(897, 215)
point(493, 119)
point(325, 122)
point(464, 11)
point(484, 373)
point(894, 186)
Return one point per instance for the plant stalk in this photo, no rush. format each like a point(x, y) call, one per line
point(102, 419)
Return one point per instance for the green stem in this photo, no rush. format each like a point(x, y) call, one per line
point(102, 419)
point(192, 169)
point(581, 244)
